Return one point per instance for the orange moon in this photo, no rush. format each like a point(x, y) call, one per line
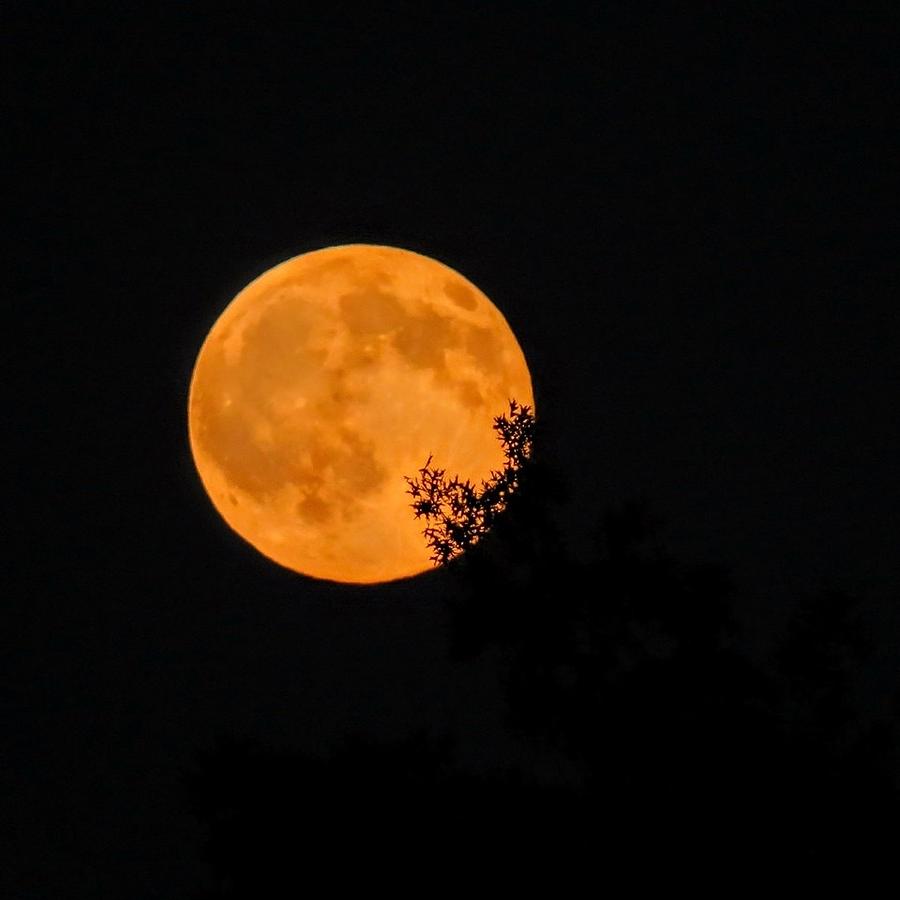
point(328, 379)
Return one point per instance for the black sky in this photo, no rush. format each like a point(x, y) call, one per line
point(689, 222)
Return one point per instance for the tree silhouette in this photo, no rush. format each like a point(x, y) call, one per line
point(625, 672)
point(633, 665)
point(457, 513)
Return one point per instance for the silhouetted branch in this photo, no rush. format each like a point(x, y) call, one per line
point(457, 513)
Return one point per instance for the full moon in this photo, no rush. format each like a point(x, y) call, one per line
point(328, 379)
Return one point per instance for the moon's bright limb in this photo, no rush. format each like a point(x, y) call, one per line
point(326, 381)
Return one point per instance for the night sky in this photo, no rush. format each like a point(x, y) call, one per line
point(689, 222)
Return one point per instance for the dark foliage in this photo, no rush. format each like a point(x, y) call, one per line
point(369, 814)
point(458, 513)
point(688, 753)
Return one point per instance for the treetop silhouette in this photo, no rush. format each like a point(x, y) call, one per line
point(457, 512)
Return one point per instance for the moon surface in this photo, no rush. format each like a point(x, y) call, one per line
point(328, 379)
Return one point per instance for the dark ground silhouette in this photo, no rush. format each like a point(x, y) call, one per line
point(685, 751)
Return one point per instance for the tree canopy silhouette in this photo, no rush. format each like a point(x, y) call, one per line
point(458, 513)
point(645, 725)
